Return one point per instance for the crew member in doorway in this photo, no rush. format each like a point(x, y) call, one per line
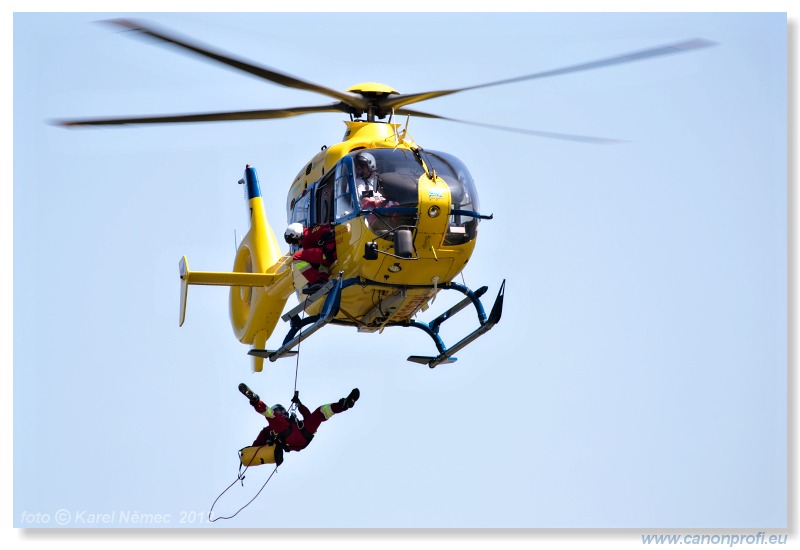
point(317, 253)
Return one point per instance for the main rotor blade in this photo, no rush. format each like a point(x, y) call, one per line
point(207, 117)
point(271, 75)
point(678, 47)
point(550, 135)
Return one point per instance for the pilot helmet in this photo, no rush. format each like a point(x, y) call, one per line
point(365, 159)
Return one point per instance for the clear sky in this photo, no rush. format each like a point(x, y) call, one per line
point(638, 378)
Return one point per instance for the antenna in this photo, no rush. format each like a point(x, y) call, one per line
point(400, 135)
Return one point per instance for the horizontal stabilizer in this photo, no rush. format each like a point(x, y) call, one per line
point(215, 278)
point(222, 278)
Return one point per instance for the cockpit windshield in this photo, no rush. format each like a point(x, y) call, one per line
point(391, 174)
point(387, 179)
point(386, 183)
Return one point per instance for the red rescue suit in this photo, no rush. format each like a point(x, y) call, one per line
point(293, 435)
point(318, 248)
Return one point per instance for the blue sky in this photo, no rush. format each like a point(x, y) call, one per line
point(638, 378)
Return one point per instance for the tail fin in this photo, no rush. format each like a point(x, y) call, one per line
point(261, 279)
point(212, 278)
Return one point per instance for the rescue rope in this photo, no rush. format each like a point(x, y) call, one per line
point(297, 357)
point(293, 407)
point(239, 477)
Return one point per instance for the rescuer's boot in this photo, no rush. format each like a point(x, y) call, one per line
point(350, 400)
point(248, 393)
point(312, 288)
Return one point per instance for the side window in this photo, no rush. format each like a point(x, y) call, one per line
point(343, 189)
point(323, 201)
point(300, 209)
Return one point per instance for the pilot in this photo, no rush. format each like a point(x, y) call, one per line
point(317, 252)
point(287, 430)
point(367, 180)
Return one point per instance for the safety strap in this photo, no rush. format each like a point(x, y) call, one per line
point(328, 245)
point(280, 438)
point(327, 237)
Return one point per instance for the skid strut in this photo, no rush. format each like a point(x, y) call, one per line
point(330, 308)
point(486, 324)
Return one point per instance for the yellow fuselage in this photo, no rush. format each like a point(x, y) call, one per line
point(433, 264)
point(387, 289)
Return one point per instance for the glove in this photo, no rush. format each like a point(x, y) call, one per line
point(296, 398)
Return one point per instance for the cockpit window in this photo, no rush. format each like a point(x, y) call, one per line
point(300, 209)
point(344, 189)
point(387, 178)
point(397, 172)
point(463, 195)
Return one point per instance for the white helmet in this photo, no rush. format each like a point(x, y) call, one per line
point(365, 159)
point(294, 233)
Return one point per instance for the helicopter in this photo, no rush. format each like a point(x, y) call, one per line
point(396, 248)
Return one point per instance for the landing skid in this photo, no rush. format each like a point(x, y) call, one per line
point(330, 308)
point(432, 329)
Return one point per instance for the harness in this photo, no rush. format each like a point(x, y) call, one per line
point(327, 243)
point(280, 438)
point(371, 188)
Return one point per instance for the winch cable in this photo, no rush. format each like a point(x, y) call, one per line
point(293, 406)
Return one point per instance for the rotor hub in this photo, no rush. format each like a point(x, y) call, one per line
point(373, 93)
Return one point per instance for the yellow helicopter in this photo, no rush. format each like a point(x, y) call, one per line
point(399, 241)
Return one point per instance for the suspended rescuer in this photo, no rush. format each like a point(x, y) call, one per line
point(286, 430)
